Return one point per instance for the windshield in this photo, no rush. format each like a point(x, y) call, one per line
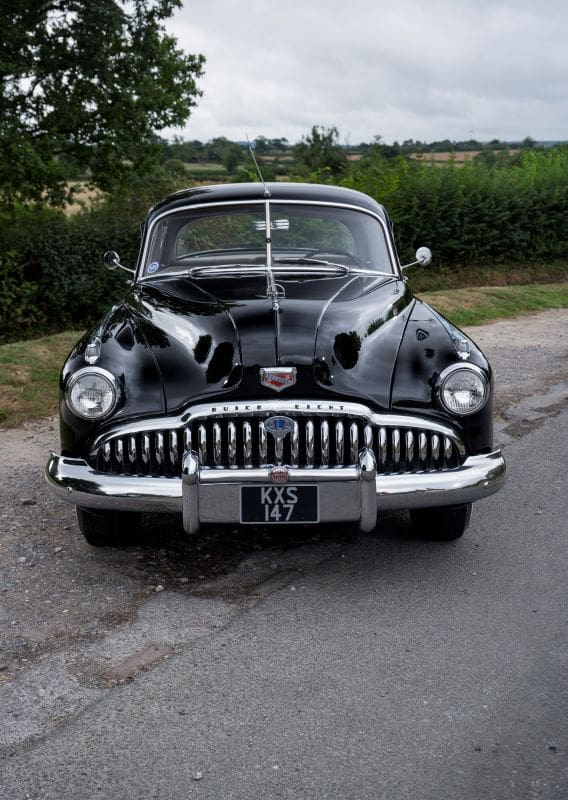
point(236, 234)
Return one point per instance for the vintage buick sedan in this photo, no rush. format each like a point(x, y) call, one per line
point(269, 365)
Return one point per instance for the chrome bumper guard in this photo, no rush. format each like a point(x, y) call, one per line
point(212, 495)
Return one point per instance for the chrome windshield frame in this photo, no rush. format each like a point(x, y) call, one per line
point(140, 278)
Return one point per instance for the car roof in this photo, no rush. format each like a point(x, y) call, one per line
point(233, 192)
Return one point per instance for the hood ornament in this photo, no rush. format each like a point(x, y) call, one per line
point(278, 378)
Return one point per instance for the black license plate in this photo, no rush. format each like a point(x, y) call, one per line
point(279, 504)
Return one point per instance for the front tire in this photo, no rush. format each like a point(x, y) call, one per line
point(108, 528)
point(443, 524)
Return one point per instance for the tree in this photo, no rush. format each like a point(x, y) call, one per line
point(232, 156)
point(321, 151)
point(87, 84)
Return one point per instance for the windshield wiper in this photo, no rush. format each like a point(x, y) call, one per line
point(345, 268)
point(226, 270)
point(308, 260)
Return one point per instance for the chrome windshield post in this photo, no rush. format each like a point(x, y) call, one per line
point(271, 288)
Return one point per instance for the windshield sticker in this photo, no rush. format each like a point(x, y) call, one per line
point(153, 267)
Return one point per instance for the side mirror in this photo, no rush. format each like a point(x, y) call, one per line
point(111, 260)
point(423, 257)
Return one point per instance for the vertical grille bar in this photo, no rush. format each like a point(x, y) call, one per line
point(409, 442)
point(173, 448)
point(217, 455)
point(422, 449)
point(368, 436)
point(353, 443)
point(247, 443)
point(107, 452)
point(278, 450)
point(132, 449)
point(232, 444)
point(202, 444)
point(448, 450)
point(309, 443)
point(396, 448)
point(435, 449)
point(295, 446)
point(160, 448)
point(382, 446)
point(339, 443)
point(262, 444)
point(119, 452)
point(146, 448)
point(324, 433)
point(187, 439)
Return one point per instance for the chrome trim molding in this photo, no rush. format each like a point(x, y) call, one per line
point(304, 408)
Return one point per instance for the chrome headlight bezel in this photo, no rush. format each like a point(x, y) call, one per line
point(450, 372)
point(100, 373)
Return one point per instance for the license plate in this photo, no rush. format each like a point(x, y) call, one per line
point(279, 504)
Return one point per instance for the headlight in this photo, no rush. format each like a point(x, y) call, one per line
point(463, 389)
point(92, 393)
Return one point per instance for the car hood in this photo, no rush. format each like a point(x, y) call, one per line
point(212, 336)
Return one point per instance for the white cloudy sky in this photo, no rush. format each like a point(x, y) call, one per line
point(399, 68)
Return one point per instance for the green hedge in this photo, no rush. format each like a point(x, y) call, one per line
point(473, 213)
point(51, 273)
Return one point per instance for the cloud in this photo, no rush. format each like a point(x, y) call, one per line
point(408, 70)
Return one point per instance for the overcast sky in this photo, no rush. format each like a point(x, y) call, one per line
point(402, 69)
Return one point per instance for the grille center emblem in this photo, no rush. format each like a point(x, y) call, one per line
point(279, 427)
point(278, 378)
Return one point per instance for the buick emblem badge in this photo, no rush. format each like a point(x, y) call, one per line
point(278, 475)
point(279, 427)
point(278, 378)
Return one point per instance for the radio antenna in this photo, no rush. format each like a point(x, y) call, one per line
point(251, 151)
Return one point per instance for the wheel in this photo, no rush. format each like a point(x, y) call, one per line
point(108, 528)
point(444, 524)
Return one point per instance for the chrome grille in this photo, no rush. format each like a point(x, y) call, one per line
point(331, 441)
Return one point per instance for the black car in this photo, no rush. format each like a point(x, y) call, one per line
point(269, 365)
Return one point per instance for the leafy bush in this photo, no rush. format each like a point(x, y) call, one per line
point(473, 213)
point(51, 273)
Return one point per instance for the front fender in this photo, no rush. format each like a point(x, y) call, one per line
point(429, 345)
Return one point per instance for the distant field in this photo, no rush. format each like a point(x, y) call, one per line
point(459, 157)
point(85, 196)
point(199, 167)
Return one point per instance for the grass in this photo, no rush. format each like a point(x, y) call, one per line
point(435, 277)
point(474, 306)
point(29, 370)
point(29, 373)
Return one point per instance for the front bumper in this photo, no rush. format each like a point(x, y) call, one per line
point(212, 495)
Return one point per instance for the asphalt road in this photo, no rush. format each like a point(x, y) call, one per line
point(368, 666)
